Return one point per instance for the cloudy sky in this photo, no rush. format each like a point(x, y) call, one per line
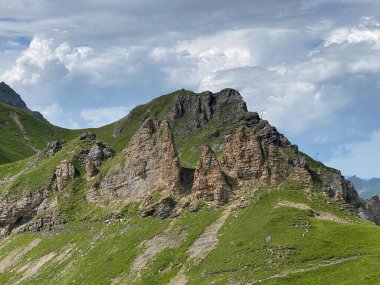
point(313, 66)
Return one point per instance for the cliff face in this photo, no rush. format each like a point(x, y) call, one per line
point(151, 165)
point(209, 181)
point(371, 210)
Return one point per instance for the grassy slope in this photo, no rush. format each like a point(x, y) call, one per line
point(14, 146)
point(102, 251)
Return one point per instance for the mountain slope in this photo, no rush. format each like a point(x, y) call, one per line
point(187, 189)
point(23, 134)
point(10, 97)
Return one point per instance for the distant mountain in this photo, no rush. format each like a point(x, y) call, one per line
point(366, 188)
point(10, 97)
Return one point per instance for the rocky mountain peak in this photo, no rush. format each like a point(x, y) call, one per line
point(10, 97)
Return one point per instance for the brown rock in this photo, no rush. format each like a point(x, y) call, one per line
point(242, 155)
point(64, 172)
point(152, 165)
point(209, 181)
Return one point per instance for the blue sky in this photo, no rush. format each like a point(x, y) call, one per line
point(313, 66)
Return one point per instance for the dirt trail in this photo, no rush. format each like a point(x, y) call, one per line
point(167, 239)
point(33, 268)
point(17, 120)
point(312, 267)
point(16, 255)
point(203, 245)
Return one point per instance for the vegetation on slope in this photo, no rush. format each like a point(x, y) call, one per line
point(262, 241)
point(22, 134)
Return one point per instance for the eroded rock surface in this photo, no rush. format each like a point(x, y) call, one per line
point(371, 210)
point(64, 172)
point(209, 181)
point(151, 166)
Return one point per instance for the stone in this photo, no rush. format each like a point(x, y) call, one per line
point(95, 158)
point(209, 182)
point(54, 147)
point(151, 166)
point(371, 210)
point(64, 172)
point(242, 155)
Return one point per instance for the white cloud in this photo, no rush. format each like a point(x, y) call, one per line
point(97, 117)
point(361, 158)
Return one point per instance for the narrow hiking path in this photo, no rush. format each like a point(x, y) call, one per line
point(203, 245)
point(166, 239)
point(17, 121)
point(310, 268)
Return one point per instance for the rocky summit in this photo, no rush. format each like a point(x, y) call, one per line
point(190, 188)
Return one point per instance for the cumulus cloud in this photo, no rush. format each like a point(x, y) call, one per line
point(312, 65)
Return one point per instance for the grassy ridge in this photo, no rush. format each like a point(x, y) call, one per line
point(15, 145)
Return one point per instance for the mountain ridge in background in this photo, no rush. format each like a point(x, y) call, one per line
point(366, 187)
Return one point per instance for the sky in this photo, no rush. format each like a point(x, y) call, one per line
point(312, 66)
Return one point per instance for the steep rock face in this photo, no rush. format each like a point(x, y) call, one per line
point(94, 159)
point(207, 105)
point(209, 182)
point(152, 165)
point(16, 211)
point(336, 186)
point(64, 172)
point(243, 156)
point(371, 210)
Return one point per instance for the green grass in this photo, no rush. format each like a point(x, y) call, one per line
point(102, 250)
point(14, 146)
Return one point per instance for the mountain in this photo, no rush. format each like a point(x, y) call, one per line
point(24, 132)
point(366, 188)
point(190, 188)
point(10, 97)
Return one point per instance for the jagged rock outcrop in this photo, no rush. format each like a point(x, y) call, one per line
point(243, 156)
point(16, 211)
point(160, 210)
point(151, 166)
point(95, 157)
point(35, 211)
point(209, 181)
point(371, 210)
point(245, 159)
point(189, 111)
point(336, 186)
point(64, 172)
point(54, 147)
